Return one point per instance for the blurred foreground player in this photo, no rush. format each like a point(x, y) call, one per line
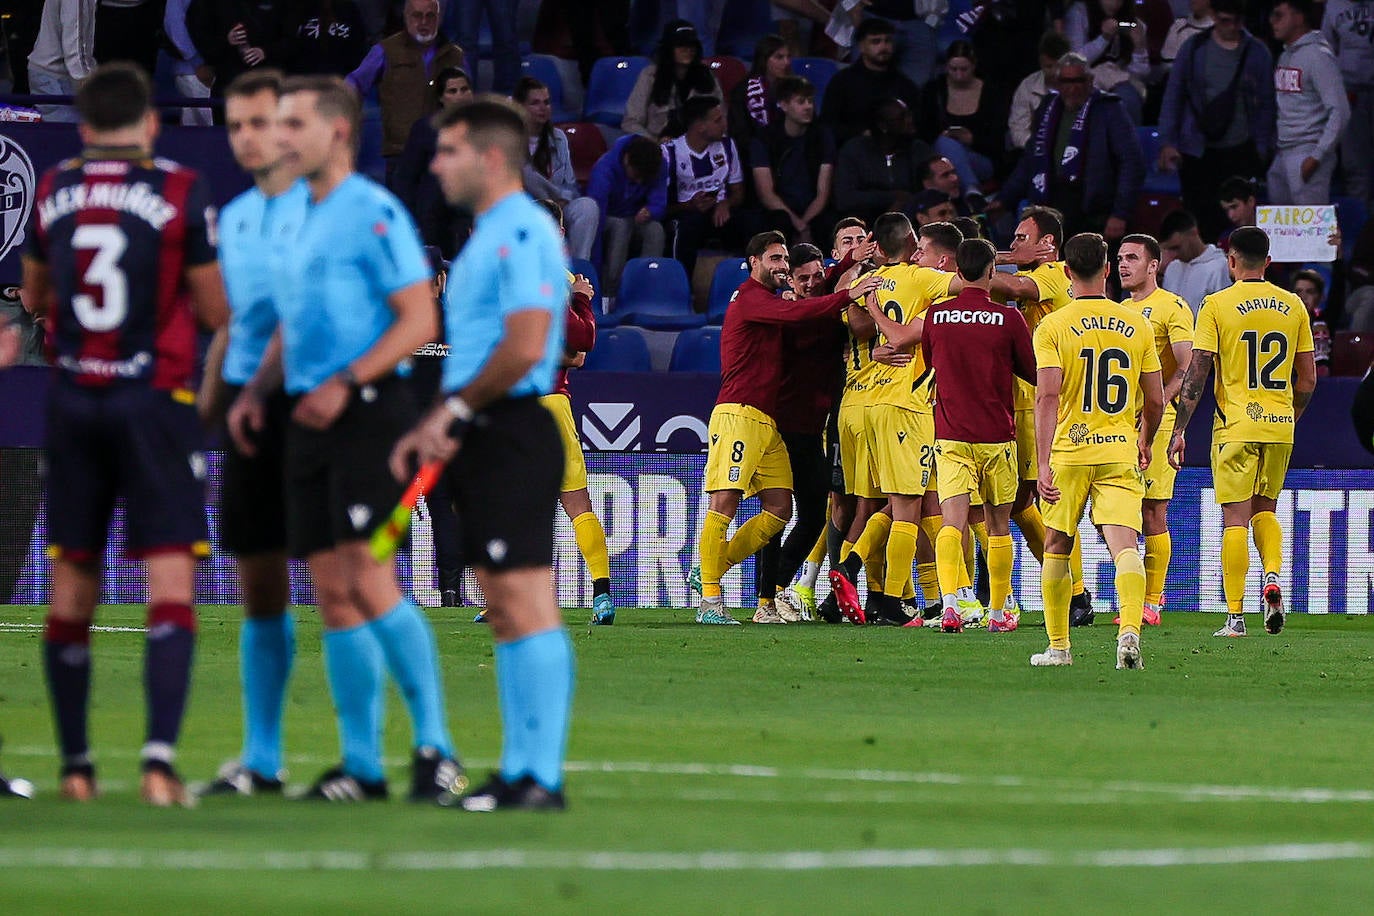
point(353, 301)
point(503, 317)
point(121, 261)
point(256, 228)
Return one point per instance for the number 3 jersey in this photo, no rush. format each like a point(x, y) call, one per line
point(1256, 331)
point(117, 233)
point(1103, 348)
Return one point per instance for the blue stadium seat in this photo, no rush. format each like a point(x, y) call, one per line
point(655, 294)
point(588, 269)
point(696, 351)
point(1156, 182)
point(743, 23)
point(728, 71)
point(818, 70)
point(729, 274)
point(1351, 215)
point(543, 68)
point(612, 80)
point(950, 31)
point(619, 350)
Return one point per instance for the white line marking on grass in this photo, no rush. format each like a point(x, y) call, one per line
point(21, 627)
point(639, 861)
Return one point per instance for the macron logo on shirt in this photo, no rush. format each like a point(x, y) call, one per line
point(1288, 79)
point(967, 316)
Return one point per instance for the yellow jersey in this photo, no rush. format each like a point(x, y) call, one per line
point(859, 367)
point(906, 292)
point(1256, 330)
point(1052, 282)
point(1103, 348)
point(1172, 322)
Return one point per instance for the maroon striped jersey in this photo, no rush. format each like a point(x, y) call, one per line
point(117, 232)
point(975, 346)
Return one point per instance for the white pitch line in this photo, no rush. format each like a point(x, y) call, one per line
point(639, 861)
point(21, 627)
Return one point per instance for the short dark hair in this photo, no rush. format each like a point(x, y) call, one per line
point(1048, 220)
point(1236, 188)
point(804, 253)
point(927, 167)
point(1053, 45)
point(645, 157)
point(891, 231)
point(1085, 255)
point(1311, 276)
point(491, 121)
point(845, 223)
point(333, 99)
point(697, 108)
point(115, 96)
point(874, 26)
point(446, 74)
point(1304, 8)
point(1150, 243)
point(974, 257)
point(945, 236)
point(525, 86)
point(969, 227)
point(1250, 245)
point(789, 87)
point(554, 209)
point(1176, 222)
point(251, 82)
point(1232, 7)
point(763, 241)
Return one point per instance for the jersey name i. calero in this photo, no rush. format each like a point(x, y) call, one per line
point(117, 232)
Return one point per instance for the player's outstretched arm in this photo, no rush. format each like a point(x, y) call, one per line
point(1199, 367)
point(1150, 415)
point(1304, 382)
point(1010, 286)
point(1047, 385)
point(900, 336)
point(1183, 355)
point(208, 299)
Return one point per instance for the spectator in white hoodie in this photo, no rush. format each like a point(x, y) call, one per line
point(1193, 269)
point(64, 54)
point(1313, 110)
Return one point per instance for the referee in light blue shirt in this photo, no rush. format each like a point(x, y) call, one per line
point(503, 317)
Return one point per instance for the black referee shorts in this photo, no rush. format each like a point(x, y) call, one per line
point(505, 481)
point(252, 497)
point(338, 485)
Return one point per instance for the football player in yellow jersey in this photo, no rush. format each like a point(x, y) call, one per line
point(1172, 323)
point(1096, 363)
point(903, 418)
point(1257, 337)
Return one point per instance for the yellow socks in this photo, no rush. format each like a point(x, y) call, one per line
point(1033, 530)
point(872, 548)
point(949, 559)
point(1130, 590)
point(1159, 548)
point(1076, 566)
point(591, 542)
point(713, 530)
point(1057, 586)
point(901, 550)
point(999, 569)
point(818, 552)
point(969, 556)
point(980, 533)
point(750, 536)
point(1268, 540)
point(930, 582)
point(1235, 566)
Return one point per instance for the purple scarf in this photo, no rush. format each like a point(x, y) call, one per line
point(1070, 165)
point(756, 101)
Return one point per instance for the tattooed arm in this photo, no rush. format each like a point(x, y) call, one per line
point(1190, 392)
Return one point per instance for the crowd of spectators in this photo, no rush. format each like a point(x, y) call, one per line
point(944, 108)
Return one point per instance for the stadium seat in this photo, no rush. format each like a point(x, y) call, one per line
point(619, 350)
point(1351, 352)
point(1156, 182)
point(587, 269)
point(1150, 210)
point(655, 294)
point(612, 81)
point(950, 30)
point(1351, 215)
point(543, 68)
point(728, 71)
point(587, 144)
point(696, 351)
point(729, 274)
point(743, 23)
point(818, 70)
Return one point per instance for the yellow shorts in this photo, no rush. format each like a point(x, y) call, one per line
point(746, 452)
point(855, 459)
point(903, 444)
point(1241, 470)
point(1116, 491)
point(1160, 476)
point(1026, 460)
point(986, 472)
point(574, 462)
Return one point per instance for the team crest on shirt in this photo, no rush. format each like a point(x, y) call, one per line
point(379, 229)
point(17, 187)
point(1253, 410)
point(1077, 433)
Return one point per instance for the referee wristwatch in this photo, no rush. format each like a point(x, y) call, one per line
point(461, 412)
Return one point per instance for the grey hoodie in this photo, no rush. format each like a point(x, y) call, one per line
point(1197, 279)
point(1313, 109)
point(1347, 26)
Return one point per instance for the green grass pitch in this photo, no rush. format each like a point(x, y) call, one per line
point(805, 768)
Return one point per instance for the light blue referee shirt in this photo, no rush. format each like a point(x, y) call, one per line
point(514, 261)
point(256, 233)
point(354, 249)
